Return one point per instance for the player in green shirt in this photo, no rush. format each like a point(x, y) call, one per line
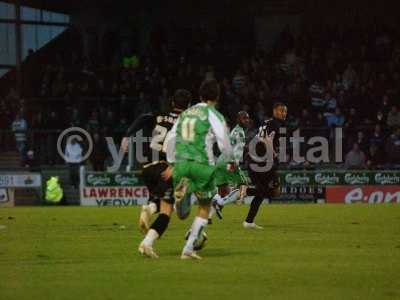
point(195, 169)
point(237, 179)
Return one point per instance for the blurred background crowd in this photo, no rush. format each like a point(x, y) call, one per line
point(328, 76)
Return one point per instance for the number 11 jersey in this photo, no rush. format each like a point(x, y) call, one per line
point(197, 130)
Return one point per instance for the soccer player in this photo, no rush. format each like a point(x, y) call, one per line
point(159, 185)
point(263, 171)
point(196, 131)
point(237, 178)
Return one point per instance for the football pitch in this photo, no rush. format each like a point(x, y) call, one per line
point(304, 252)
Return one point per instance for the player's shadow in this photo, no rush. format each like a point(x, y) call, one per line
point(221, 252)
point(216, 252)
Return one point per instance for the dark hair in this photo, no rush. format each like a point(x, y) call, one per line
point(182, 98)
point(209, 90)
point(278, 104)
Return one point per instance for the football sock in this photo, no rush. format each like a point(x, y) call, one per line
point(254, 206)
point(231, 197)
point(196, 230)
point(151, 236)
point(160, 224)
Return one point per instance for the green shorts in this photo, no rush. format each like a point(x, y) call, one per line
point(225, 177)
point(201, 179)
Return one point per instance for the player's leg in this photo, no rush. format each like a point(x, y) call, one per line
point(243, 183)
point(218, 201)
point(151, 177)
point(157, 229)
point(196, 231)
point(232, 197)
point(148, 210)
point(222, 179)
point(225, 194)
point(260, 181)
point(202, 183)
point(163, 190)
point(254, 207)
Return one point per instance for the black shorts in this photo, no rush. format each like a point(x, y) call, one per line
point(265, 182)
point(158, 187)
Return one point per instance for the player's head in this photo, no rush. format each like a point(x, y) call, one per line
point(243, 119)
point(209, 91)
point(181, 99)
point(279, 111)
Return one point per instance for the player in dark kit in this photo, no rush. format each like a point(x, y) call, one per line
point(263, 162)
point(157, 126)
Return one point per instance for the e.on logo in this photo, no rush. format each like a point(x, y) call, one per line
point(363, 194)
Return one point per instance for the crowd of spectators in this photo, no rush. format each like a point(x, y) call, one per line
point(328, 76)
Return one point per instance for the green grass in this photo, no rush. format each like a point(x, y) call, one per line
point(304, 252)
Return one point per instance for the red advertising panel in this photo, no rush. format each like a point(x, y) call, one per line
point(363, 194)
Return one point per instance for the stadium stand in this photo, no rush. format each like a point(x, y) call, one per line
point(329, 76)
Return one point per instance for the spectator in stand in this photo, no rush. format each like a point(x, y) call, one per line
point(393, 118)
point(342, 99)
point(75, 118)
point(239, 80)
point(380, 119)
point(331, 102)
point(352, 121)
point(20, 128)
point(338, 83)
point(393, 147)
point(317, 95)
point(73, 158)
point(355, 159)
point(305, 119)
point(362, 141)
point(349, 77)
point(31, 162)
point(374, 157)
point(93, 123)
point(377, 138)
point(334, 119)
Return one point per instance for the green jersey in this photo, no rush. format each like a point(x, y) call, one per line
point(197, 130)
